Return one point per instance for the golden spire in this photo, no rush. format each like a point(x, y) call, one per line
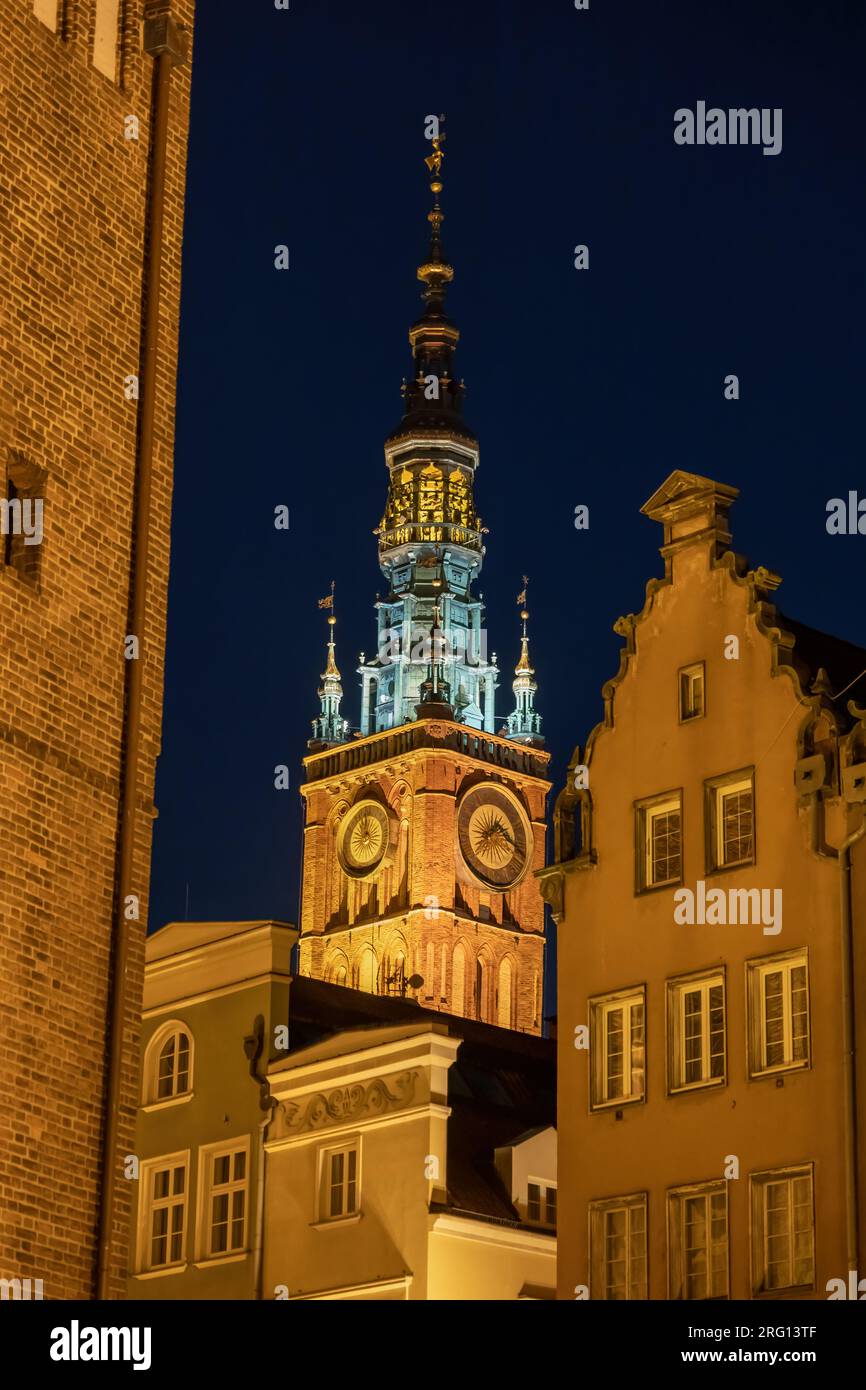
point(435, 268)
point(523, 663)
point(331, 667)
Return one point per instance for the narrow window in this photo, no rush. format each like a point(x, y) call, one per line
point(617, 1048)
point(428, 981)
point(691, 680)
point(698, 1241)
point(659, 841)
point(729, 804)
point(783, 1230)
point(105, 37)
point(22, 508)
point(226, 1202)
point(164, 1220)
point(340, 1192)
point(618, 1248)
point(696, 1032)
point(779, 1013)
point(443, 974)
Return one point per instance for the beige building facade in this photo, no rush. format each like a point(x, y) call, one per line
point(710, 890)
point(298, 1140)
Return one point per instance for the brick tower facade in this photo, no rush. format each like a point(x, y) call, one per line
point(423, 828)
point(80, 119)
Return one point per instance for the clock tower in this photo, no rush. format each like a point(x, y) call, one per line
point(422, 830)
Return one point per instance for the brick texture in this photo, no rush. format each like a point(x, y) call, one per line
point(73, 221)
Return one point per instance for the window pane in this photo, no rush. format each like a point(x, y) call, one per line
point(240, 1166)
point(614, 1052)
point(637, 1050)
point(533, 1205)
point(799, 1013)
point(664, 846)
point(774, 1022)
point(220, 1170)
point(160, 1183)
point(736, 826)
point(179, 1181)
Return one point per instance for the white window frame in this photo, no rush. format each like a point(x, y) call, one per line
point(759, 1183)
point(677, 989)
point(207, 1189)
point(323, 1181)
point(151, 1098)
point(545, 1187)
point(756, 974)
point(647, 812)
point(677, 1198)
point(148, 1204)
point(697, 670)
point(717, 788)
point(600, 1009)
point(598, 1214)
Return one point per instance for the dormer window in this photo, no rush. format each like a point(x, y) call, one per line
point(692, 692)
point(541, 1203)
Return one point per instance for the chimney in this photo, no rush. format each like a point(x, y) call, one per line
point(694, 512)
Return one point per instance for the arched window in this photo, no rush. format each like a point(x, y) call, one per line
point(443, 972)
point(368, 970)
point(458, 980)
point(168, 1064)
point(482, 989)
point(503, 1007)
point(338, 969)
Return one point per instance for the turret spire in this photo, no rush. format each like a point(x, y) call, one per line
point(330, 728)
point(524, 723)
point(434, 398)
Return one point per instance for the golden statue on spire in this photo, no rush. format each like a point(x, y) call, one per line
point(434, 160)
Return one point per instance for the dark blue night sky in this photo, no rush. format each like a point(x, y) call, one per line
point(583, 387)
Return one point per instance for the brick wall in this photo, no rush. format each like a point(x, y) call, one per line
point(72, 242)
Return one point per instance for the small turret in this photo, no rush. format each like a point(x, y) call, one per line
point(329, 728)
point(524, 723)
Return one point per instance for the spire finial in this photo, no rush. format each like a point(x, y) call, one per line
point(330, 727)
point(435, 272)
point(524, 723)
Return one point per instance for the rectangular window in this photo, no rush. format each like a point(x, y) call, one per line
point(659, 841)
point(105, 36)
point(783, 1230)
point(541, 1203)
point(224, 1173)
point(698, 1241)
point(340, 1186)
point(617, 1047)
point(729, 810)
point(163, 1228)
point(696, 1032)
point(778, 994)
point(692, 679)
point(618, 1248)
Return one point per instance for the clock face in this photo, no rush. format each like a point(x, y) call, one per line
point(363, 838)
point(494, 836)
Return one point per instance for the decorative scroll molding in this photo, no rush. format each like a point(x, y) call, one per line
point(344, 1105)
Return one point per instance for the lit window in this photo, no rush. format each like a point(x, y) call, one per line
point(698, 1241)
point(541, 1203)
point(164, 1183)
point(696, 1032)
point(783, 1230)
point(659, 841)
point(778, 1013)
point(617, 1048)
point(225, 1199)
point(340, 1183)
point(692, 692)
point(618, 1248)
point(730, 816)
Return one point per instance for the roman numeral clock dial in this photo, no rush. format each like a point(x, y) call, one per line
point(494, 835)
